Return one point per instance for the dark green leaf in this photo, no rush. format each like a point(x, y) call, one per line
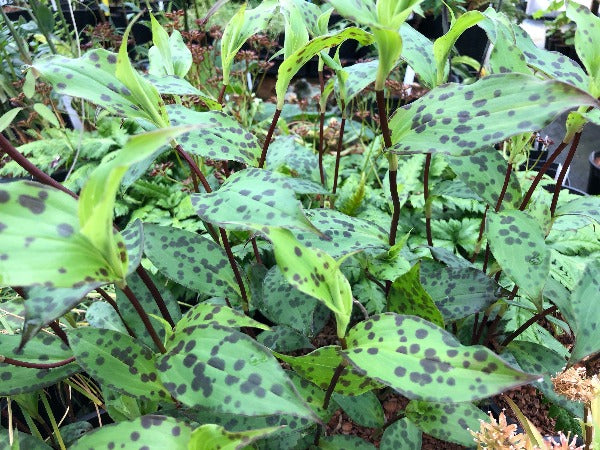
point(401, 434)
point(287, 155)
point(423, 361)
point(460, 119)
point(282, 338)
point(446, 421)
point(118, 361)
point(517, 242)
point(152, 431)
point(221, 368)
point(344, 442)
point(102, 315)
point(364, 409)
point(314, 396)
point(21, 441)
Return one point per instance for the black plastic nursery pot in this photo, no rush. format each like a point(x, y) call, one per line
point(593, 187)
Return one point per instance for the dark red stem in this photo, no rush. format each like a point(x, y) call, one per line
point(321, 130)
point(527, 324)
point(222, 94)
point(30, 365)
point(155, 294)
point(108, 299)
point(338, 155)
point(426, 196)
point(263, 155)
point(145, 319)
point(563, 173)
point(235, 268)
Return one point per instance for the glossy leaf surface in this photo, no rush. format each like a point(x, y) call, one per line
point(423, 361)
point(206, 313)
point(460, 119)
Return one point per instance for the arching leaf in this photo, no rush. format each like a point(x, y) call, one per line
point(169, 55)
point(211, 436)
point(423, 361)
point(364, 409)
point(206, 313)
point(401, 434)
point(417, 51)
point(587, 38)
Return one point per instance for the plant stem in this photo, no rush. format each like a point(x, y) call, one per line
point(540, 174)
point(155, 294)
point(334, 379)
point(30, 365)
point(114, 305)
point(393, 162)
point(563, 173)
point(480, 236)
point(338, 156)
point(145, 319)
point(527, 324)
point(263, 155)
point(193, 167)
point(222, 94)
point(426, 196)
point(321, 130)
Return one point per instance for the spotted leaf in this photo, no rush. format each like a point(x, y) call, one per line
point(401, 434)
point(117, 361)
point(253, 199)
point(206, 268)
point(364, 409)
point(151, 431)
point(173, 85)
point(287, 155)
point(41, 349)
point(460, 119)
point(588, 206)
point(586, 315)
point(92, 77)
point(169, 55)
point(133, 238)
point(407, 296)
point(103, 316)
point(292, 64)
point(220, 138)
point(206, 313)
point(446, 421)
point(284, 305)
point(225, 370)
point(314, 396)
point(319, 366)
point(344, 442)
point(484, 173)
point(358, 77)
point(315, 273)
point(282, 338)
point(240, 27)
point(517, 242)
point(343, 234)
point(417, 51)
point(459, 292)
point(211, 436)
point(587, 37)
point(422, 361)
point(537, 358)
point(41, 241)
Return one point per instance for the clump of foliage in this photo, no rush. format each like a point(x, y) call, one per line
point(437, 271)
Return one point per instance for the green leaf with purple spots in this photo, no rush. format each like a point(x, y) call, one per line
point(458, 119)
point(449, 422)
point(587, 40)
point(344, 442)
point(484, 173)
point(282, 338)
point(358, 77)
point(191, 260)
point(42, 349)
point(92, 77)
point(417, 51)
point(225, 370)
point(242, 25)
point(586, 314)
point(422, 361)
point(221, 137)
point(211, 436)
point(283, 304)
point(172, 85)
point(206, 313)
point(119, 362)
point(252, 199)
point(343, 234)
point(41, 242)
point(315, 273)
point(517, 243)
point(587, 206)
point(169, 55)
point(133, 238)
point(407, 296)
point(294, 62)
point(459, 292)
point(319, 366)
point(102, 315)
point(401, 434)
point(364, 409)
point(314, 396)
point(287, 155)
point(151, 431)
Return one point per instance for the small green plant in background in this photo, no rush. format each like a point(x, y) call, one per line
point(198, 282)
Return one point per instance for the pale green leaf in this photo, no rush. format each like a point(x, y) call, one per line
point(211, 436)
point(7, 118)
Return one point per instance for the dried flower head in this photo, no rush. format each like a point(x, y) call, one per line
point(499, 435)
point(573, 384)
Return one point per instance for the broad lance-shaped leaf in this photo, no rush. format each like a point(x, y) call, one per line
point(133, 238)
point(98, 196)
point(587, 40)
point(517, 243)
point(282, 338)
point(484, 173)
point(221, 137)
point(169, 55)
point(460, 119)
point(223, 369)
point(287, 155)
point(446, 421)
point(344, 441)
point(422, 361)
point(151, 431)
point(364, 409)
point(191, 260)
point(315, 273)
point(42, 349)
point(242, 25)
point(41, 242)
point(319, 366)
point(296, 60)
point(102, 315)
point(206, 313)
point(313, 395)
point(417, 51)
point(252, 199)
point(172, 85)
point(118, 361)
point(401, 434)
point(211, 436)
